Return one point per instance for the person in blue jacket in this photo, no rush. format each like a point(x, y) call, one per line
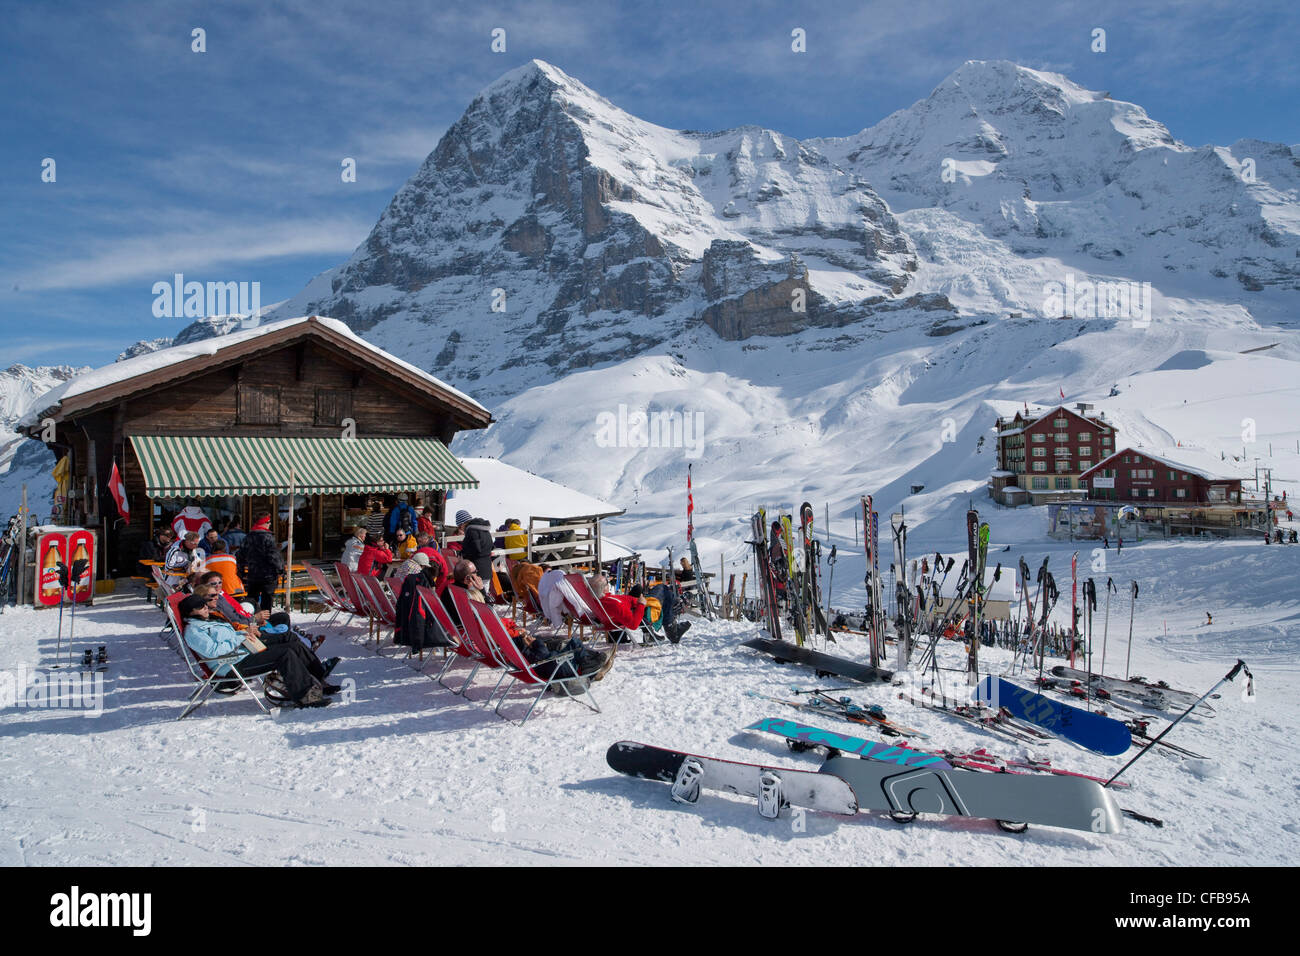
point(210, 638)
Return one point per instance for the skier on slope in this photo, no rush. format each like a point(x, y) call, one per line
point(1208, 619)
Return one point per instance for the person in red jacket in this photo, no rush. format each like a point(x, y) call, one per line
point(374, 556)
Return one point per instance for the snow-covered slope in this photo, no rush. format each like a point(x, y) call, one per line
point(23, 461)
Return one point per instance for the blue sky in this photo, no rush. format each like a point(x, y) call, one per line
point(224, 165)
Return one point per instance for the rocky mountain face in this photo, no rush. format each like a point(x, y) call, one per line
point(550, 231)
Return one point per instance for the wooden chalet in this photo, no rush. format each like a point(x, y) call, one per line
point(231, 423)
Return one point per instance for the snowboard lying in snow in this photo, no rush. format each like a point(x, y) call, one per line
point(1100, 734)
point(847, 743)
point(774, 787)
point(822, 663)
point(1014, 800)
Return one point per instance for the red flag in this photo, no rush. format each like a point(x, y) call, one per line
point(1062, 392)
point(117, 488)
point(690, 506)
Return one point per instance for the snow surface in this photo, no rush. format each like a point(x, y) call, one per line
point(408, 773)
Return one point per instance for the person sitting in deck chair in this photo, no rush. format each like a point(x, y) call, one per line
point(637, 607)
point(184, 556)
point(213, 638)
point(590, 663)
point(225, 564)
point(374, 556)
point(416, 627)
point(271, 627)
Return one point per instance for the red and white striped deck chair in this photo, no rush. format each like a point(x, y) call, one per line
point(327, 594)
point(563, 670)
point(613, 632)
point(382, 610)
point(351, 594)
point(204, 670)
point(573, 586)
point(472, 650)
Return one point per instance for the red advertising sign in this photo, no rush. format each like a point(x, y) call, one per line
point(51, 551)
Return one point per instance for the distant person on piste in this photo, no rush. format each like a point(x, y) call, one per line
point(1208, 619)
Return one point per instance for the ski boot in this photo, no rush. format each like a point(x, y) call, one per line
point(101, 659)
point(88, 660)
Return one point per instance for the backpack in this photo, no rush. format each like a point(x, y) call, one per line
point(654, 610)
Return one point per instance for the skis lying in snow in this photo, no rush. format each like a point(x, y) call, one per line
point(773, 787)
point(851, 713)
point(1159, 695)
point(1139, 728)
point(981, 717)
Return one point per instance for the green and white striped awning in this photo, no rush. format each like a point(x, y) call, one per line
point(177, 466)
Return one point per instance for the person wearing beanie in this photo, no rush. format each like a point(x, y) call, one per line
point(210, 638)
point(260, 564)
point(477, 544)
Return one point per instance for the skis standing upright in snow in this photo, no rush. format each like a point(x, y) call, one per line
point(702, 587)
point(870, 539)
point(903, 596)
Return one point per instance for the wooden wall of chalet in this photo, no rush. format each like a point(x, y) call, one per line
point(299, 390)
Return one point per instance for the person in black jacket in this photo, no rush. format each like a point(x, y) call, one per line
point(477, 546)
point(417, 628)
point(156, 548)
point(260, 564)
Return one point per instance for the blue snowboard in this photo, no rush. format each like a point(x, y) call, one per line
point(1103, 735)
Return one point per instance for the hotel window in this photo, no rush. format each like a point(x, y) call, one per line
point(1062, 484)
point(1085, 465)
point(1040, 452)
point(1060, 423)
point(1062, 437)
point(1062, 467)
point(1038, 436)
point(1085, 451)
point(1172, 476)
point(1040, 466)
point(1085, 436)
point(1181, 493)
point(1040, 484)
point(1105, 439)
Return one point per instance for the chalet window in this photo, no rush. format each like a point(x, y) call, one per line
point(1040, 452)
point(333, 405)
point(1085, 451)
point(1062, 484)
point(1062, 467)
point(1085, 465)
point(1151, 492)
point(1187, 477)
point(1085, 436)
point(1172, 476)
point(1181, 493)
point(1060, 423)
point(1062, 436)
point(258, 405)
point(1039, 436)
point(1105, 440)
point(1041, 466)
point(1040, 484)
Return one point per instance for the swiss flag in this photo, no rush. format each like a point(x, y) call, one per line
point(117, 488)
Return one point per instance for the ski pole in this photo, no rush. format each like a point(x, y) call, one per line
point(1132, 604)
point(1110, 586)
point(1227, 678)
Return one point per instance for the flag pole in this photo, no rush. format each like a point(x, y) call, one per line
point(288, 586)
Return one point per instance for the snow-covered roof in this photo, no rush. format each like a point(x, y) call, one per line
point(153, 361)
point(505, 491)
point(1193, 461)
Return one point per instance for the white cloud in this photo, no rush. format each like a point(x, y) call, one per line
point(157, 257)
